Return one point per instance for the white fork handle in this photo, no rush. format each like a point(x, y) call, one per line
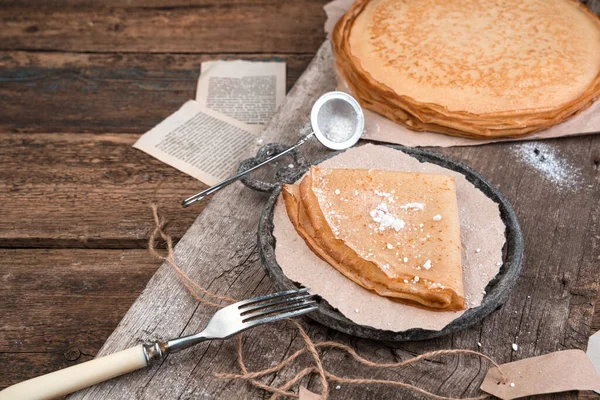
point(77, 377)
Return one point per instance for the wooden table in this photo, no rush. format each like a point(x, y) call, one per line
point(79, 83)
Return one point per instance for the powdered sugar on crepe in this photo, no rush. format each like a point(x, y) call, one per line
point(481, 228)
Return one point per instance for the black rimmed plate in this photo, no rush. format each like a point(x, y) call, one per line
point(497, 291)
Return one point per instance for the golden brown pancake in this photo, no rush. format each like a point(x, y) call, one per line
point(471, 67)
point(394, 233)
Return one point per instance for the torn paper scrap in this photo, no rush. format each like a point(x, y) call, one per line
point(306, 394)
point(248, 91)
point(593, 352)
point(556, 372)
point(200, 142)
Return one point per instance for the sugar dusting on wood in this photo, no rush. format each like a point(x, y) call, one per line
point(549, 163)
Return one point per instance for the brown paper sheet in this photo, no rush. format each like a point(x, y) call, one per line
point(481, 229)
point(379, 128)
point(551, 373)
point(593, 352)
point(306, 394)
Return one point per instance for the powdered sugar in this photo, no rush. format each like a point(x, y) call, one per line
point(413, 206)
point(548, 162)
point(337, 128)
point(385, 219)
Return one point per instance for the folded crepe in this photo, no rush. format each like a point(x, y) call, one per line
point(395, 233)
point(471, 68)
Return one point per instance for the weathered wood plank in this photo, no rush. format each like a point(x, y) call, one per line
point(594, 5)
point(158, 4)
point(587, 395)
point(211, 27)
point(596, 319)
point(84, 190)
point(550, 309)
point(58, 306)
point(104, 93)
point(129, 92)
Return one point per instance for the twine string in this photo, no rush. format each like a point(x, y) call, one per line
point(192, 286)
point(215, 300)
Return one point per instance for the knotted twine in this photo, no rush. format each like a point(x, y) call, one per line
point(214, 300)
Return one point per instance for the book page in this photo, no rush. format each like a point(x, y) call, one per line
point(200, 142)
point(247, 91)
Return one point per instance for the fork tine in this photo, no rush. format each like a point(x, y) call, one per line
point(278, 300)
point(263, 312)
point(277, 317)
point(248, 302)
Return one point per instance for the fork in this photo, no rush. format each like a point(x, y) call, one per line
point(226, 322)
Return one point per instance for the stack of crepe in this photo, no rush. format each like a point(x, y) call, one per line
point(394, 233)
point(471, 68)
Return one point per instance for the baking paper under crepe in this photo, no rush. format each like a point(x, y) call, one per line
point(380, 128)
point(481, 229)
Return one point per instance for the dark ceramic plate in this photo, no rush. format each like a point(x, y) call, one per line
point(497, 291)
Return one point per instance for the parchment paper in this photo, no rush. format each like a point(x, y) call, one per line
point(560, 371)
point(305, 394)
point(481, 228)
point(379, 128)
point(593, 352)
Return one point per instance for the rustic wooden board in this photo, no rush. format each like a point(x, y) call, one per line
point(172, 4)
point(57, 306)
point(148, 4)
point(594, 5)
point(596, 320)
point(104, 93)
point(84, 190)
point(208, 27)
point(77, 92)
point(49, 181)
point(550, 309)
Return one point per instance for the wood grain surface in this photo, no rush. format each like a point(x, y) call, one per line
point(59, 305)
point(54, 92)
point(81, 80)
point(206, 27)
point(62, 190)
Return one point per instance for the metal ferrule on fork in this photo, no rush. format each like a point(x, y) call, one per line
point(157, 351)
point(154, 352)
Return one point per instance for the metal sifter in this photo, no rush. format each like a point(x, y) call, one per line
point(337, 121)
